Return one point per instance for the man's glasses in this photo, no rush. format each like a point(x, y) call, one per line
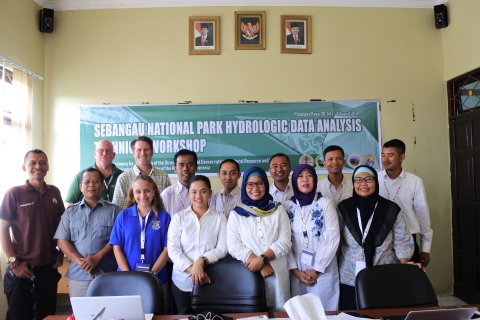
point(106, 151)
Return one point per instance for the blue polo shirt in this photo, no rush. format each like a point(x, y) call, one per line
point(126, 233)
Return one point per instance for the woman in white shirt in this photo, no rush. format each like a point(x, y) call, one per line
point(197, 237)
point(258, 233)
point(315, 239)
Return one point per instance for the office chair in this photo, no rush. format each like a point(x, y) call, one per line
point(128, 283)
point(393, 286)
point(233, 289)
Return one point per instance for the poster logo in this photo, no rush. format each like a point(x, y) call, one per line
point(354, 160)
point(369, 159)
point(306, 159)
point(319, 161)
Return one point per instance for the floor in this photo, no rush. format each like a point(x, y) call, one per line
point(64, 308)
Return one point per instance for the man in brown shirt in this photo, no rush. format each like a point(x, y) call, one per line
point(32, 213)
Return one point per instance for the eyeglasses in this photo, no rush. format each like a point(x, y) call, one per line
point(259, 185)
point(367, 180)
point(106, 151)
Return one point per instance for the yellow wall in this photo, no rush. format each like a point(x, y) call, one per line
point(460, 39)
point(137, 55)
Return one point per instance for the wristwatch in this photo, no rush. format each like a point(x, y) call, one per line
point(264, 258)
point(12, 260)
point(204, 260)
point(153, 273)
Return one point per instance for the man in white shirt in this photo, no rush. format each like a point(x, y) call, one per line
point(281, 189)
point(175, 198)
point(406, 189)
point(335, 186)
point(142, 151)
point(228, 198)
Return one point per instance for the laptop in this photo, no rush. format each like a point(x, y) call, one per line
point(109, 307)
point(439, 314)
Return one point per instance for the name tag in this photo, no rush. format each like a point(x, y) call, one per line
point(144, 267)
point(359, 266)
point(307, 257)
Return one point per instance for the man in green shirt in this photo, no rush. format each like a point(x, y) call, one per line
point(104, 156)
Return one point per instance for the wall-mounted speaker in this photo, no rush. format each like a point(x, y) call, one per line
point(441, 17)
point(46, 20)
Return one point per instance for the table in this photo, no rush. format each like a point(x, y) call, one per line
point(375, 313)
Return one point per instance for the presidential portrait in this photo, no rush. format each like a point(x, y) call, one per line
point(295, 34)
point(204, 35)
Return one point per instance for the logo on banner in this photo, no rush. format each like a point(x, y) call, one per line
point(354, 160)
point(319, 161)
point(369, 159)
point(306, 159)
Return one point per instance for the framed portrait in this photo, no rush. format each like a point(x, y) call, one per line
point(250, 30)
point(204, 35)
point(296, 34)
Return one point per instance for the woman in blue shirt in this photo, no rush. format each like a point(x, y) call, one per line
point(139, 235)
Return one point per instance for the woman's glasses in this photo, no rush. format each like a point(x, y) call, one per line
point(367, 180)
point(259, 184)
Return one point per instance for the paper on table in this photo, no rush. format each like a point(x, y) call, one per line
point(306, 307)
point(344, 316)
point(148, 316)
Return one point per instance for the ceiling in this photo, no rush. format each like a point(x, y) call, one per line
point(63, 5)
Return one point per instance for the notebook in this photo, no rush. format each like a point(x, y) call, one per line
point(106, 308)
point(440, 314)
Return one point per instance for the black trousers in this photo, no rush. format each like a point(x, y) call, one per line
point(348, 299)
point(29, 299)
point(183, 299)
point(416, 253)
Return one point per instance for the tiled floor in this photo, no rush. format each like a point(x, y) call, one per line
point(64, 308)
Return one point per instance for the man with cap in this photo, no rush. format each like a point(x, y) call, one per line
point(294, 38)
point(104, 156)
point(204, 40)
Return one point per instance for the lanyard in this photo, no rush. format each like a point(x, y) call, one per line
point(143, 227)
point(107, 184)
point(367, 228)
point(305, 220)
point(181, 200)
point(396, 193)
point(337, 201)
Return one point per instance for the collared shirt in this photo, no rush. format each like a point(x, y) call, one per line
point(281, 196)
point(226, 203)
point(89, 231)
point(34, 218)
point(408, 192)
point(190, 238)
point(125, 180)
point(74, 193)
point(327, 189)
point(127, 232)
point(175, 198)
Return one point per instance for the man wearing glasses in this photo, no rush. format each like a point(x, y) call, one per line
point(104, 156)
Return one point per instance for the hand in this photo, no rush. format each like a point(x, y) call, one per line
point(22, 270)
point(424, 258)
point(304, 278)
point(405, 261)
point(313, 274)
point(267, 271)
point(58, 261)
point(90, 263)
point(197, 273)
point(254, 263)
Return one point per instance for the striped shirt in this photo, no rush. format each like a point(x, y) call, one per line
point(226, 203)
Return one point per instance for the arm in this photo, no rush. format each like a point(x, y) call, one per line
point(74, 194)
point(91, 262)
point(422, 213)
point(21, 270)
point(236, 248)
point(220, 249)
point(402, 239)
point(282, 245)
point(70, 251)
point(180, 260)
point(121, 259)
point(161, 261)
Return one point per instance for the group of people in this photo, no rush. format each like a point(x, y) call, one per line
point(302, 235)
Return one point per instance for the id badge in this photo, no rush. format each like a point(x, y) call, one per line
point(144, 267)
point(359, 266)
point(307, 257)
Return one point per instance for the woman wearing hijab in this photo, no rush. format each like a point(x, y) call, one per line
point(258, 233)
point(315, 238)
point(373, 232)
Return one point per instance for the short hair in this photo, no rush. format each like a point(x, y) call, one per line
point(37, 151)
point(157, 200)
point(141, 138)
point(100, 175)
point(279, 155)
point(185, 152)
point(199, 177)
point(229, 161)
point(333, 148)
point(399, 145)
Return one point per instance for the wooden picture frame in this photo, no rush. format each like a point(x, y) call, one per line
point(295, 34)
point(250, 30)
point(204, 35)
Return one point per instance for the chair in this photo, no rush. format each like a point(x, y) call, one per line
point(394, 286)
point(128, 283)
point(233, 289)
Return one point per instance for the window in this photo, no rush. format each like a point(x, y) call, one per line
point(464, 93)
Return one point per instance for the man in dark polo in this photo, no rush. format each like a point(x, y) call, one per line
point(32, 213)
point(84, 234)
point(104, 156)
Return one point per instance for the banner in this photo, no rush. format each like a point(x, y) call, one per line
point(249, 133)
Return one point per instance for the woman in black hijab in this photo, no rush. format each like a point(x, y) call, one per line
point(372, 230)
